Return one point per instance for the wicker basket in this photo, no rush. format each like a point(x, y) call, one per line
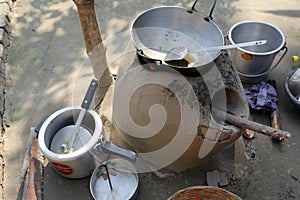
point(203, 193)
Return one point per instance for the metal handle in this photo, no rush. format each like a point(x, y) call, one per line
point(271, 68)
point(209, 17)
point(89, 94)
point(232, 46)
point(284, 53)
point(141, 54)
point(108, 147)
point(108, 175)
point(38, 127)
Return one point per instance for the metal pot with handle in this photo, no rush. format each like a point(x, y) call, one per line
point(157, 30)
point(75, 152)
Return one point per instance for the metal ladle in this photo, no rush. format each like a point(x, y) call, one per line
point(84, 106)
point(66, 139)
point(182, 57)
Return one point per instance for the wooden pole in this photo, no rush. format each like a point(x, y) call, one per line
point(94, 45)
point(275, 117)
point(89, 23)
point(34, 191)
point(25, 168)
point(257, 127)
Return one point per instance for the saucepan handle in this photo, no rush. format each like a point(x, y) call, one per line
point(38, 127)
point(89, 94)
point(209, 17)
point(108, 147)
point(141, 54)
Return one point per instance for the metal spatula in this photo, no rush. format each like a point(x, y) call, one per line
point(182, 54)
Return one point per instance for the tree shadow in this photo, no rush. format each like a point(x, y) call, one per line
point(286, 13)
point(47, 53)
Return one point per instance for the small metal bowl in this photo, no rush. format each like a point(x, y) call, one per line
point(292, 88)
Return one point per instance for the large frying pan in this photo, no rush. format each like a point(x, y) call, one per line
point(157, 30)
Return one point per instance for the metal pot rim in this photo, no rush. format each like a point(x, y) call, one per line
point(150, 9)
point(255, 53)
point(96, 171)
point(287, 88)
point(179, 8)
point(74, 155)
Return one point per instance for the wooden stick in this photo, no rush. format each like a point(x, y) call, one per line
point(25, 165)
point(275, 118)
point(34, 191)
point(275, 123)
point(257, 127)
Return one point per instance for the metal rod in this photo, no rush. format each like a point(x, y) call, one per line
point(108, 176)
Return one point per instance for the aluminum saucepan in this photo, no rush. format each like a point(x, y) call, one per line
point(157, 30)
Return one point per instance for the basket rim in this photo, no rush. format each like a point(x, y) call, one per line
point(203, 187)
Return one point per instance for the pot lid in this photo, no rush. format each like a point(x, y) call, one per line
point(294, 83)
point(114, 180)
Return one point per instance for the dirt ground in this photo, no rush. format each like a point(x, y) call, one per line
point(48, 70)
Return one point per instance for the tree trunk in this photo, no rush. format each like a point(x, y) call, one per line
point(94, 45)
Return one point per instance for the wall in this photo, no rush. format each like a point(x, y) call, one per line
point(5, 29)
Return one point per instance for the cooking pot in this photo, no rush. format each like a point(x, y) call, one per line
point(255, 62)
point(157, 30)
point(81, 162)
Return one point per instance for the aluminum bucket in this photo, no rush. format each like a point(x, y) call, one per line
point(254, 63)
point(81, 162)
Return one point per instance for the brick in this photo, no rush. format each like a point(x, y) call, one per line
point(5, 23)
point(2, 88)
point(213, 178)
point(3, 53)
point(224, 180)
point(4, 8)
point(4, 38)
point(2, 81)
point(8, 2)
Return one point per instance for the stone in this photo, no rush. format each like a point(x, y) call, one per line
point(2, 100)
point(224, 180)
point(213, 178)
point(4, 8)
point(3, 53)
point(5, 23)
point(4, 39)
point(8, 2)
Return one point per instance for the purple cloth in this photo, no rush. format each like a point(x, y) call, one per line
point(262, 97)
